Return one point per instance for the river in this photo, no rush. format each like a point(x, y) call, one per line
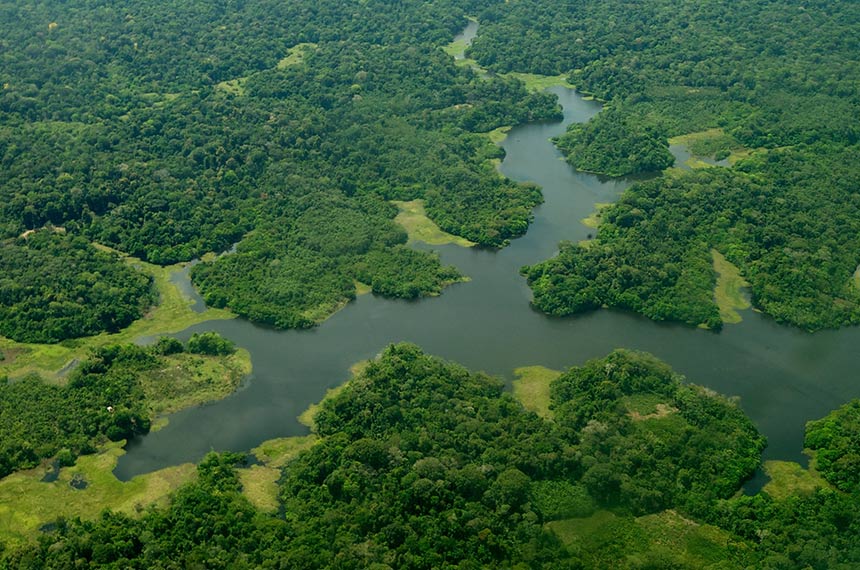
point(782, 376)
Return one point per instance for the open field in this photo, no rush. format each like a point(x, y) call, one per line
point(413, 218)
point(531, 388)
point(728, 292)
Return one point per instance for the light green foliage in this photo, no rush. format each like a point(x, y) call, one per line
point(835, 440)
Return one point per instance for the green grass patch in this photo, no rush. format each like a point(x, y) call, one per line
point(260, 486)
point(456, 49)
point(498, 136)
point(362, 288)
point(788, 479)
point(26, 503)
point(296, 54)
point(232, 86)
point(661, 540)
point(647, 406)
point(413, 218)
point(593, 220)
point(531, 388)
point(172, 313)
point(276, 453)
point(535, 82)
point(260, 482)
point(192, 379)
point(728, 292)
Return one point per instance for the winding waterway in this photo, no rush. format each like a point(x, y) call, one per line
point(783, 376)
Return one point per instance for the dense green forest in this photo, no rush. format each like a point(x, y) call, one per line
point(54, 286)
point(167, 136)
point(103, 399)
point(788, 221)
point(775, 76)
point(423, 464)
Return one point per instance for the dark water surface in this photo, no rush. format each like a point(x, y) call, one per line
point(783, 376)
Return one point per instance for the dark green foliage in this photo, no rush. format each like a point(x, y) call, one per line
point(694, 447)
point(102, 400)
point(836, 441)
point(788, 219)
point(210, 343)
point(118, 131)
point(612, 143)
point(422, 464)
point(770, 74)
point(818, 530)
point(297, 270)
point(208, 524)
point(54, 287)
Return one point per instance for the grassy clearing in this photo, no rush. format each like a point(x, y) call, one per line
point(535, 82)
point(260, 482)
point(647, 406)
point(498, 136)
point(413, 218)
point(456, 49)
point(788, 478)
point(692, 138)
point(171, 314)
point(296, 54)
point(26, 503)
point(662, 540)
point(260, 486)
point(192, 379)
point(276, 453)
point(362, 288)
point(593, 220)
point(232, 86)
point(712, 143)
point(531, 388)
point(728, 292)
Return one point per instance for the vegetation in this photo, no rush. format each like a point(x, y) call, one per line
point(531, 388)
point(413, 218)
point(415, 453)
point(728, 293)
point(612, 143)
point(171, 314)
point(113, 395)
point(757, 76)
point(55, 287)
point(292, 136)
point(779, 217)
point(836, 441)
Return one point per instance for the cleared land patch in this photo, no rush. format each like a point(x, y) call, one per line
point(728, 291)
point(593, 220)
point(788, 479)
point(531, 388)
point(413, 218)
point(27, 503)
point(662, 540)
point(192, 379)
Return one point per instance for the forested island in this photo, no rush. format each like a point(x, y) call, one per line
point(279, 146)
